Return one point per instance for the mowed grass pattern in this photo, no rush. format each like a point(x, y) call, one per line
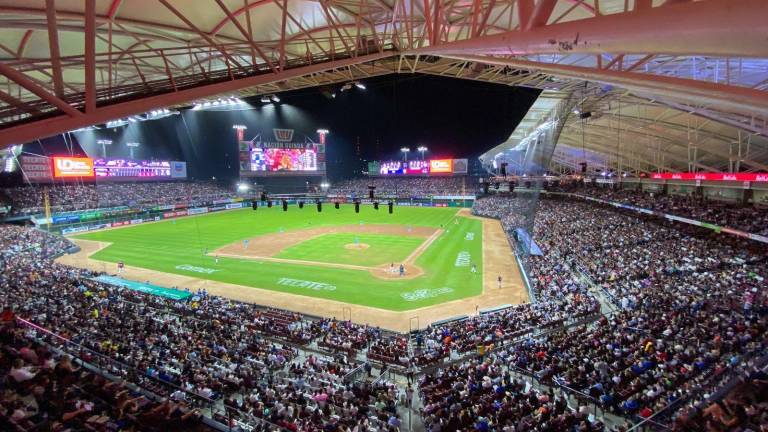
point(167, 245)
point(331, 248)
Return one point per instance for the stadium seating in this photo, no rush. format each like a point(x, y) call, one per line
point(679, 308)
point(750, 218)
point(405, 187)
point(30, 199)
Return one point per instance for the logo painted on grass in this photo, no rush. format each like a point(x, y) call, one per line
point(195, 269)
point(298, 283)
point(469, 236)
point(425, 293)
point(463, 259)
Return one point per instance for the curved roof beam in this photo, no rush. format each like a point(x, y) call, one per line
point(736, 99)
point(697, 28)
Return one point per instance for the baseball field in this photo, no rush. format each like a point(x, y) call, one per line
point(336, 254)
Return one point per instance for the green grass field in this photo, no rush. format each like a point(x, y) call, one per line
point(178, 246)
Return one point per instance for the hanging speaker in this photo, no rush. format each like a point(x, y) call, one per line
point(390, 207)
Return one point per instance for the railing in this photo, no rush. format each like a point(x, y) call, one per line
point(108, 367)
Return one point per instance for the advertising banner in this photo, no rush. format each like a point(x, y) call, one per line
point(742, 177)
point(198, 210)
point(178, 169)
point(173, 214)
point(66, 219)
point(440, 166)
point(234, 206)
point(65, 167)
point(682, 219)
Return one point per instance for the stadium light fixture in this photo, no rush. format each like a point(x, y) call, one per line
point(422, 150)
point(405, 151)
point(275, 99)
point(131, 147)
point(265, 99)
point(359, 85)
point(346, 87)
point(239, 126)
point(242, 187)
point(325, 185)
point(104, 143)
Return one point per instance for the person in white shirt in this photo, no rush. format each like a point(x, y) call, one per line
point(21, 373)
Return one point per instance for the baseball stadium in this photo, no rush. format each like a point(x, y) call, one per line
point(383, 215)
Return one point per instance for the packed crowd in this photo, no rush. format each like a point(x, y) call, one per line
point(68, 197)
point(483, 395)
point(749, 218)
point(744, 407)
point(405, 187)
point(45, 390)
point(690, 306)
point(199, 352)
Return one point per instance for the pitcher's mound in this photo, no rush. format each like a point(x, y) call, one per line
point(358, 246)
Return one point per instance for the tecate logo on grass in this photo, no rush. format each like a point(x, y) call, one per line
point(316, 286)
point(195, 269)
point(463, 259)
point(425, 293)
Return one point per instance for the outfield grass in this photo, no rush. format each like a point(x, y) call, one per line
point(176, 246)
point(331, 248)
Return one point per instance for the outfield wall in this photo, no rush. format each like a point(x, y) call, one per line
point(92, 220)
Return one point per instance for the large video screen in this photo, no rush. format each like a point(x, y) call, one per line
point(283, 160)
point(114, 169)
point(64, 167)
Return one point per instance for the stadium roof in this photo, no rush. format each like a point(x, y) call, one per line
point(683, 82)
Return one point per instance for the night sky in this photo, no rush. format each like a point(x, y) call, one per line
point(452, 117)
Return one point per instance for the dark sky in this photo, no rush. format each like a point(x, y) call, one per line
point(452, 117)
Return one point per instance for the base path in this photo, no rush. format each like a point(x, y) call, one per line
point(265, 247)
point(497, 259)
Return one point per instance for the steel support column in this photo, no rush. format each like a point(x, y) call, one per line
point(90, 56)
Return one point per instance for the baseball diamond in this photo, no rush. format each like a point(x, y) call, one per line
point(311, 254)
